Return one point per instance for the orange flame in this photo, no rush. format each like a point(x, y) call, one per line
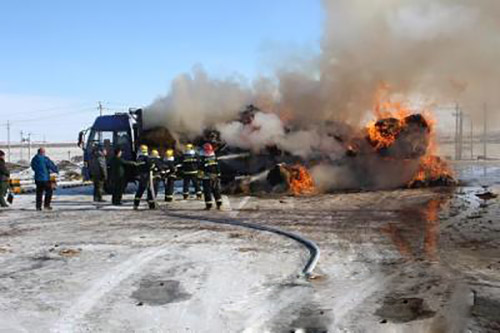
point(384, 134)
point(301, 182)
point(432, 169)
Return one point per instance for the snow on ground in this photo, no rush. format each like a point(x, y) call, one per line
point(390, 263)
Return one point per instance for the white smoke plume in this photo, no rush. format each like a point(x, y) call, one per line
point(196, 102)
point(447, 50)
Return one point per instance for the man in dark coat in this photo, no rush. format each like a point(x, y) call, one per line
point(98, 172)
point(118, 175)
point(211, 177)
point(4, 180)
point(43, 167)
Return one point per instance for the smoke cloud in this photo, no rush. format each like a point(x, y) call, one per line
point(444, 50)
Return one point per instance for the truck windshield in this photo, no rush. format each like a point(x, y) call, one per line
point(110, 140)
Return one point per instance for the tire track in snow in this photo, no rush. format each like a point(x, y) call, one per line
point(71, 319)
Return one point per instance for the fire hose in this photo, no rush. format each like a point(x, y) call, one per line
point(314, 251)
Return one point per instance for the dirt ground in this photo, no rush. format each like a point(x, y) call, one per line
point(392, 261)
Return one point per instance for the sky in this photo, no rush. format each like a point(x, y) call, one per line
point(59, 58)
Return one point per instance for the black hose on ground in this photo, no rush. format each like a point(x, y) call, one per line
point(314, 251)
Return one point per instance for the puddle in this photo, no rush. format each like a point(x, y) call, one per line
point(416, 235)
point(403, 310)
point(309, 318)
point(160, 292)
point(478, 174)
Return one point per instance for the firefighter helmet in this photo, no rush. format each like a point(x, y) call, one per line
point(169, 153)
point(144, 149)
point(155, 153)
point(208, 149)
point(189, 146)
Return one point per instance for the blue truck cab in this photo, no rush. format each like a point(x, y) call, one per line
point(120, 130)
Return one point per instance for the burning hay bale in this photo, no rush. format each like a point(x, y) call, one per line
point(405, 138)
point(293, 179)
point(265, 152)
point(433, 171)
point(158, 137)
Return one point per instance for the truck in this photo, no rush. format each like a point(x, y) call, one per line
point(126, 131)
point(120, 130)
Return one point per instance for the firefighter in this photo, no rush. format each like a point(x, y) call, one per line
point(169, 174)
point(157, 170)
point(211, 177)
point(145, 179)
point(190, 167)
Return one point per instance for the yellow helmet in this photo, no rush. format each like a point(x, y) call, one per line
point(144, 149)
point(169, 153)
point(189, 146)
point(155, 153)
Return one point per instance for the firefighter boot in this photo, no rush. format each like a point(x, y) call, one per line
point(208, 206)
point(219, 205)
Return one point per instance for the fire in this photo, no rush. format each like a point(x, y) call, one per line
point(396, 121)
point(301, 182)
point(391, 119)
point(432, 170)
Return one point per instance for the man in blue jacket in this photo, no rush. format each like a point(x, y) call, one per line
point(43, 167)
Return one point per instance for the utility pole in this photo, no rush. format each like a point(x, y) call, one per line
point(471, 139)
point(485, 132)
point(29, 145)
point(8, 140)
point(461, 135)
point(21, 145)
point(459, 132)
point(100, 108)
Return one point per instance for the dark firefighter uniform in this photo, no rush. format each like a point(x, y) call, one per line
point(169, 174)
point(190, 167)
point(211, 177)
point(145, 170)
point(156, 172)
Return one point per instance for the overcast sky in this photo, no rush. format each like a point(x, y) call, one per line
point(58, 58)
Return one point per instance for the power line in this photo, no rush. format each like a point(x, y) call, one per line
point(55, 108)
point(22, 121)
